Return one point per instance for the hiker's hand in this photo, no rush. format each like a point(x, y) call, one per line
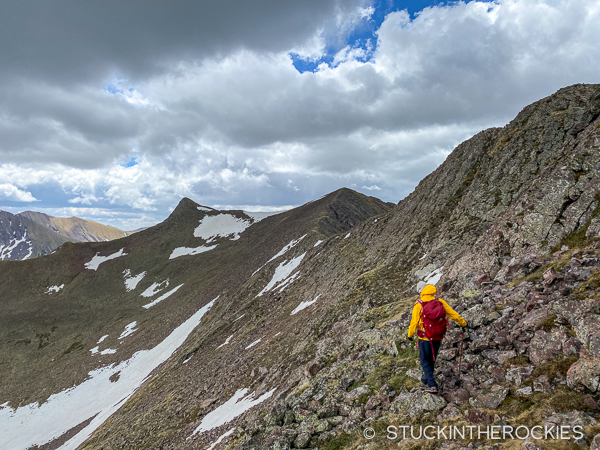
point(411, 338)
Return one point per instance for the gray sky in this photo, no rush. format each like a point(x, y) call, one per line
point(113, 111)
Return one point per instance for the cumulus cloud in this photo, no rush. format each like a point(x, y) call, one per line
point(220, 114)
point(9, 191)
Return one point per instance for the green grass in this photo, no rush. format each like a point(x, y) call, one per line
point(339, 442)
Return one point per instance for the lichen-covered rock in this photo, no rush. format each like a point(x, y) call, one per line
point(542, 384)
point(479, 417)
point(584, 373)
point(449, 412)
point(518, 375)
point(499, 357)
point(420, 402)
point(545, 345)
point(490, 399)
point(477, 315)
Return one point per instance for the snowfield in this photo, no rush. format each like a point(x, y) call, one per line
point(183, 251)
point(155, 288)
point(253, 344)
point(221, 225)
point(434, 276)
point(54, 289)
point(131, 281)
point(97, 397)
point(232, 408)
point(129, 329)
point(304, 305)
point(282, 272)
point(226, 342)
point(97, 260)
point(162, 297)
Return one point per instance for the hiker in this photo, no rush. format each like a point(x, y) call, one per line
point(434, 313)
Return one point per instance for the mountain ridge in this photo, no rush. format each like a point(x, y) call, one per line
point(39, 234)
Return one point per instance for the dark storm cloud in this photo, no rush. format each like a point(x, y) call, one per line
point(64, 41)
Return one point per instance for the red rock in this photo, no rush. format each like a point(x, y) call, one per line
point(591, 403)
point(550, 275)
point(477, 416)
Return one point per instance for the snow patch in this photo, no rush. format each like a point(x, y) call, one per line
point(202, 208)
point(239, 317)
point(221, 225)
point(281, 252)
point(102, 338)
point(347, 236)
point(131, 282)
point(96, 397)
point(108, 351)
point(317, 243)
point(183, 251)
point(52, 289)
point(282, 272)
point(257, 216)
point(162, 297)
point(434, 276)
point(232, 408)
point(129, 329)
point(226, 342)
point(253, 344)
point(223, 436)
point(97, 260)
point(304, 305)
point(155, 288)
point(422, 257)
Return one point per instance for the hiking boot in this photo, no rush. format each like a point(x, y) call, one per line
point(432, 390)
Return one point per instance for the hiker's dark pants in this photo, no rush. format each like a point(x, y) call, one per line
point(427, 362)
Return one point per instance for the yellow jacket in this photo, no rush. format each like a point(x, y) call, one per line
point(427, 294)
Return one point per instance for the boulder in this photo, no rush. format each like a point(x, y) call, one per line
point(572, 346)
point(490, 399)
point(499, 357)
point(415, 403)
point(479, 417)
point(524, 391)
point(345, 383)
point(518, 375)
point(457, 395)
point(546, 345)
point(377, 401)
point(355, 393)
point(584, 373)
point(536, 317)
point(542, 384)
point(591, 403)
point(449, 412)
point(476, 316)
point(550, 275)
point(448, 354)
point(595, 445)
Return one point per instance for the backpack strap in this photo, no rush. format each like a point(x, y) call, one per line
point(421, 333)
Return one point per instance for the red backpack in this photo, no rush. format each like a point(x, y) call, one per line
point(434, 319)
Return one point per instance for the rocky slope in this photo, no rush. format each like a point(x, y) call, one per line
point(303, 345)
point(31, 234)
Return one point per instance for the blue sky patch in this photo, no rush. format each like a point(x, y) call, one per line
point(363, 35)
point(132, 162)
